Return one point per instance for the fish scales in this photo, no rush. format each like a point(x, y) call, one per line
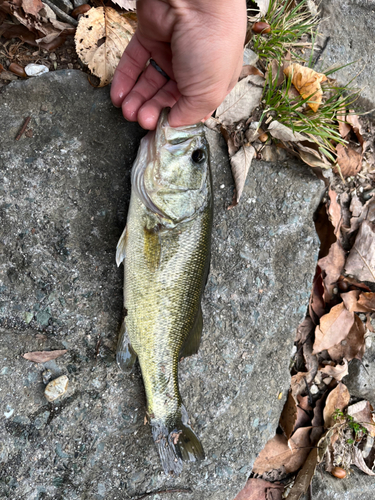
point(166, 252)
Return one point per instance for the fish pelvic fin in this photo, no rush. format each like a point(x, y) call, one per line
point(125, 354)
point(121, 247)
point(176, 443)
point(191, 344)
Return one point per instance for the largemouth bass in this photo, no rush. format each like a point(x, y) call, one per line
point(165, 248)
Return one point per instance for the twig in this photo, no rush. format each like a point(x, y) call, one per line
point(24, 127)
point(161, 492)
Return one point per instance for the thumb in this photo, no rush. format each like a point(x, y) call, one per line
point(190, 110)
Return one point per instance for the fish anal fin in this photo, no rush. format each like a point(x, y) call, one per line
point(121, 247)
point(125, 354)
point(191, 344)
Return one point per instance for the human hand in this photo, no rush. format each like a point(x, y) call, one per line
point(197, 43)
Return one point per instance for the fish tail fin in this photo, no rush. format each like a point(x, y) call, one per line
point(176, 443)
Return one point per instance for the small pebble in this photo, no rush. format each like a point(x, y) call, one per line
point(46, 376)
point(56, 388)
point(36, 69)
point(52, 56)
point(314, 389)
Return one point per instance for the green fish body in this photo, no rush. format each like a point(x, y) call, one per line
point(165, 248)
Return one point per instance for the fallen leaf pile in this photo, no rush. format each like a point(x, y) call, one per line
point(101, 34)
point(321, 425)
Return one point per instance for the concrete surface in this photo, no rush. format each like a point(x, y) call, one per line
point(63, 201)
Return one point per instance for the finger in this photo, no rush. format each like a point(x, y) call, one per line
point(150, 82)
point(189, 110)
point(131, 65)
point(149, 113)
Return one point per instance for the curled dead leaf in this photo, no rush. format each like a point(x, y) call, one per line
point(338, 372)
point(358, 301)
point(332, 265)
point(280, 451)
point(101, 38)
point(358, 460)
point(307, 82)
point(338, 399)
point(334, 327)
point(353, 346)
point(259, 489)
point(240, 164)
point(349, 161)
point(284, 133)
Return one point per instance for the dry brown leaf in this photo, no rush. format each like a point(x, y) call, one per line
point(44, 25)
point(101, 38)
point(338, 372)
point(240, 164)
point(334, 212)
point(334, 327)
point(353, 346)
point(288, 417)
point(298, 383)
point(316, 302)
point(241, 101)
point(354, 122)
point(337, 399)
point(358, 460)
point(344, 127)
point(304, 476)
point(126, 4)
point(361, 260)
point(332, 265)
point(247, 70)
point(43, 356)
point(32, 6)
point(311, 159)
point(363, 413)
point(358, 301)
point(279, 452)
point(304, 330)
point(307, 82)
point(259, 489)
point(349, 161)
point(284, 133)
point(367, 213)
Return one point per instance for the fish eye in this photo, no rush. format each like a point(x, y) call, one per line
point(198, 156)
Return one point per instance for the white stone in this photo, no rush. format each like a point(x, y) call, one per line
point(56, 388)
point(36, 69)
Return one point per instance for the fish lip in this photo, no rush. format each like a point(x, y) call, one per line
point(165, 134)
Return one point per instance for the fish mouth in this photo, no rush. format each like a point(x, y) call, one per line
point(165, 134)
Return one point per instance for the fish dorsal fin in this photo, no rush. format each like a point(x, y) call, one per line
point(121, 247)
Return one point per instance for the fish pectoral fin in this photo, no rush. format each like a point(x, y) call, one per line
point(125, 354)
point(191, 344)
point(121, 247)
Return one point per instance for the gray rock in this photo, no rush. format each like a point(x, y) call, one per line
point(355, 486)
point(63, 206)
point(361, 377)
point(347, 32)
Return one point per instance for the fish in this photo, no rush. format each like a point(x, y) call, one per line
point(165, 248)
